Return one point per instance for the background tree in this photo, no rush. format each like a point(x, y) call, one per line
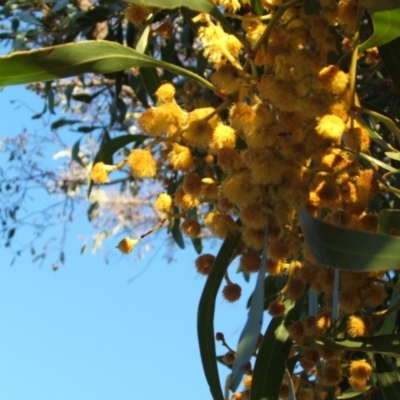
point(283, 113)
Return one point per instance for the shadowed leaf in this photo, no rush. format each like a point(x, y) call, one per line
point(388, 377)
point(348, 249)
point(270, 364)
point(205, 315)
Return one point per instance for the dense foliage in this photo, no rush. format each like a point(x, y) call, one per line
point(270, 124)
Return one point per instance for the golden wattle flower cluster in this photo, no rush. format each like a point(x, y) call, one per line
point(284, 139)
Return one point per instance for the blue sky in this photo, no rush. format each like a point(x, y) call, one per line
point(90, 331)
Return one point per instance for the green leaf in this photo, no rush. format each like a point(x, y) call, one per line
point(393, 155)
point(197, 244)
point(384, 344)
point(390, 56)
point(62, 122)
point(87, 129)
point(113, 145)
point(204, 6)
point(386, 28)
point(27, 17)
point(71, 59)
point(270, 364)
point(348, 249)
point(389, 221)
point(83, 97)
point(378, 162)
point(205, 315)
point(151, 81)
point(75, 154)
point(251, 331)
point(142, 43)
point(292, 391)
point(352, 393)
point(388, 377)
point(177, 233)
point(389, 322)
point(373, 6)
point(272, 286)
point(257, 7)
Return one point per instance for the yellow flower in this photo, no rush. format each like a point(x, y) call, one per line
point(226, 79)
point(142, 163)
point(220, 224)
point(331, 127)
point(163, 203)
point(126, 245)
point(356, 326)
point(165, 92)
point(360, 369)
point(181, 158)
point(99, 173)
point(222, 137)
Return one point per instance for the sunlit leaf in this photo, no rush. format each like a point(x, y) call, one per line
point(352, 394)
point(386, 28)
point(77, 58)
point(205, 315)
point(337, 247)
point(383, 344)
point(393, 155)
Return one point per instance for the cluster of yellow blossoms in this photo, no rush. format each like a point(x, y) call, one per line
point(283, 139)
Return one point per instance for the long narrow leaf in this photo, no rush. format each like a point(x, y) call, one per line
point(271, 359)
point(388, 378)
point(383, 344)
point(71, 59)
point(390, 56)
point(390, 321)
point(115, 144)
point(337, 247)
point(251, 331)
point(386, 28)
point(205, 316)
